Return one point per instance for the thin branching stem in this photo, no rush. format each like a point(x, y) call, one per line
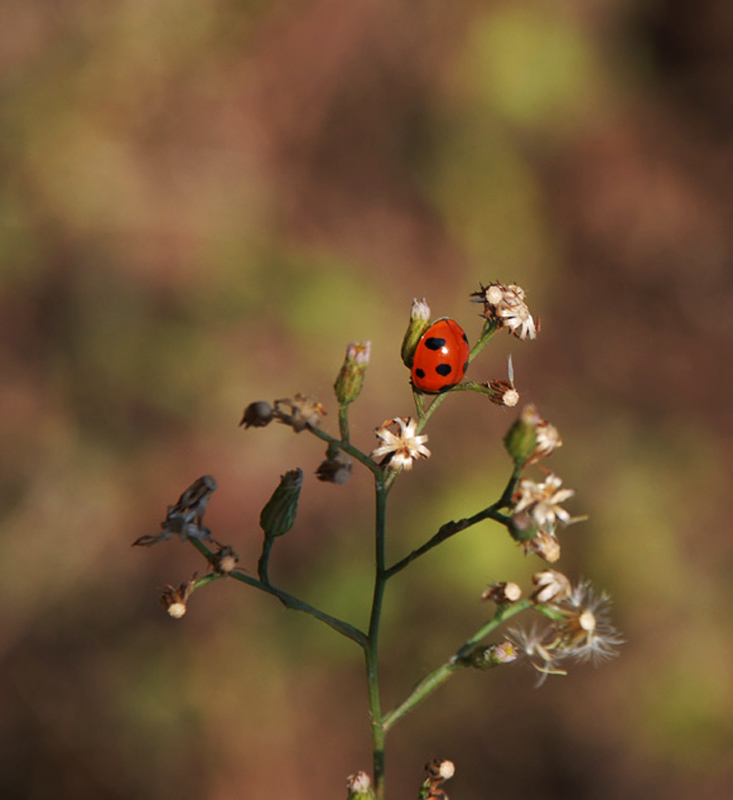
point(369, 641)
point(453, 527)
point(347, 448)
point(439, 676)
point(293, 603)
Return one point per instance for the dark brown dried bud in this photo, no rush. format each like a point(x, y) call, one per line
point(257, 415)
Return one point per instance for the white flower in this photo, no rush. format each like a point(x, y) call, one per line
point(547, 438)
point(399, 450)
point(542, 502)
point(517, 319)
point(550, 586)
point(420, 310)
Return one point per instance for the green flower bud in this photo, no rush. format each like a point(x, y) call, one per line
point(521, 439)
point(278, 516)
point(495, 655)
point(419, 323)
point(359, 787)
point(350, 379)
point(522, 527)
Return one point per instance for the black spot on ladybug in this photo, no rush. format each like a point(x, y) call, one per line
point(465, 366)
point(465, 338)
point(420, 373)
point(434, 342)
point(444, 370)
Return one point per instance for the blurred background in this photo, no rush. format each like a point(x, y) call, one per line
point(202, 202)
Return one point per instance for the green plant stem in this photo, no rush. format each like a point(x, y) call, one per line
point(344, 422)
point(263, 563)
point(445, 532)
point(293, 603)
point(371, 652)
point(451, 528)
point(349, 449)
point(440, 675)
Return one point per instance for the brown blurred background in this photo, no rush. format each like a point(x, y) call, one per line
point(202, 202)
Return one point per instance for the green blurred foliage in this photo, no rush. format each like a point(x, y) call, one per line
point(202, 203)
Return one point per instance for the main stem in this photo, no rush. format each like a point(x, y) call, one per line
point(371, 651)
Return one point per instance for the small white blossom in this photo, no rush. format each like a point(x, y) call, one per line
point(548, 440)
point(518, 320)
point(542, 502)
point(360, 783)
point(550, 586)
point(399, 450)
point(420, 310)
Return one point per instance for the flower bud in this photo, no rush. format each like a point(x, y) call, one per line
point(359, 787)
point(419, 323)
point(278, 515)
point(521, 439)
point(522, 527)
point(495, 655)
point(350, 379)
point(257, 415)
point(336, 469)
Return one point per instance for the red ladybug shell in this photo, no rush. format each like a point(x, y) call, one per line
point(441, 357)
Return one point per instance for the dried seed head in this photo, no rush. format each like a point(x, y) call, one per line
point(505, 307)
point(299, 413)
point(225, 560)
point(174, 598)
point(546, 546)
point(502, 593)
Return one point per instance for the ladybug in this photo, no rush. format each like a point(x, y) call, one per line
point(441, 357)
